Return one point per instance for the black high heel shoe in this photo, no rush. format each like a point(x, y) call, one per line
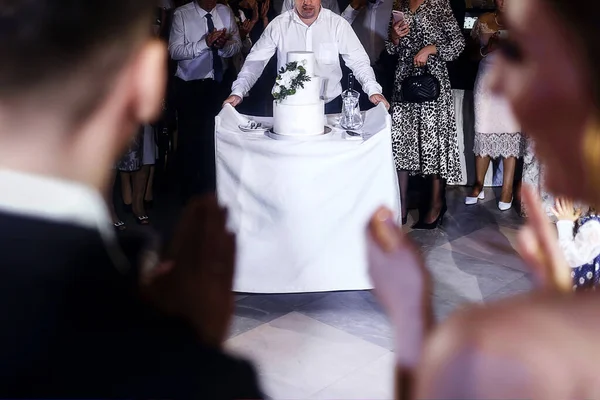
point(435, 224)
point(404, 220)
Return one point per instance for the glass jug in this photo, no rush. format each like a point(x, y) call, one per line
point(351, 117)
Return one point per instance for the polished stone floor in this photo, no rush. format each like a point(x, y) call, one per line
point(338, 345)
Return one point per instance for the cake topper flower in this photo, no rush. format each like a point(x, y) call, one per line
point(291, 77)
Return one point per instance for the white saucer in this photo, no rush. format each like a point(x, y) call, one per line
point(327, 134)
point(260, 129)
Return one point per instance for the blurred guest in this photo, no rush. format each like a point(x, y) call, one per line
point(497, 133)
point(203, 35)
point(424, 134)
point(86, 314)
point(540, 345)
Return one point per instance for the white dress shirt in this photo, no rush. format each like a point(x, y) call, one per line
point(328, 37)
point(371, 25)
point(187, 43)
point(332, 5)
point(54, 200)
point(582, 248)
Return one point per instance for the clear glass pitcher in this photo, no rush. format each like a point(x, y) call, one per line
point(351, 116)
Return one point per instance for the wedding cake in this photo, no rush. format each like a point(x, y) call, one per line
point(298, 109)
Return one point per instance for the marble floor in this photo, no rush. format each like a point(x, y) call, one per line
point(338, 345)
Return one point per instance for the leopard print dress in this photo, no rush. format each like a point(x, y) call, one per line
point(424, 135)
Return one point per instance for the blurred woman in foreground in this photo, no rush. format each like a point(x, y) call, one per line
point(544, 344)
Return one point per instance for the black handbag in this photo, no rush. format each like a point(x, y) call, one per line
point(420, 88)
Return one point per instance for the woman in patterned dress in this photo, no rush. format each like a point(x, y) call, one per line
point(497, 133)
point(424, 135)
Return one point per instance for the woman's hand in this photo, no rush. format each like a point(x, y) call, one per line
point(246, 28)
point(399, 30)
point(264, 10)
point(538, 245)
point(402, 284)
point(564, 210)
point(423, 56)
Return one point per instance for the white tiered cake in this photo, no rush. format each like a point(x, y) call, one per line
point(302, 113)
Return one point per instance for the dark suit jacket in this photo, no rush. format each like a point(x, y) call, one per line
point(71, 325)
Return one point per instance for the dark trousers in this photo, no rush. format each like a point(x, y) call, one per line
point(334, 106)
point(198, 102)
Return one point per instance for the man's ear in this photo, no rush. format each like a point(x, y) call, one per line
point(149, 77)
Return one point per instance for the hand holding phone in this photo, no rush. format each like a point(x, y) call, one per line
point(398, 16)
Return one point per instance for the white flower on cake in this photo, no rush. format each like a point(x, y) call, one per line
point(291, 77)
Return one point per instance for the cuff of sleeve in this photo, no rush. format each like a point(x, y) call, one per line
point(565, 229)
point(200, 47)
point(373, 88)
point(237, 93)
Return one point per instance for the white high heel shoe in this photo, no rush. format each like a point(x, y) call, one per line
point(502, 206)
point(473, 200)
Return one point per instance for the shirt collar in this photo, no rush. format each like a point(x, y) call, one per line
point(201, 11)
point(54, 200)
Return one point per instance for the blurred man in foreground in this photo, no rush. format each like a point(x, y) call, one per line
point(83, 315)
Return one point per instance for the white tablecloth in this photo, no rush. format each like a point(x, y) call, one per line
point(300, 208)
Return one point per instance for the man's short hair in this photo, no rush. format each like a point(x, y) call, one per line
point(47, 45)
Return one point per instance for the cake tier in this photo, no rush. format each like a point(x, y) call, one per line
point(299, 56)
point(299, 120)
point(309, 95)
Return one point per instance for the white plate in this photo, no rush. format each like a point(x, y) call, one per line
point(259, 129)
point(327, 134)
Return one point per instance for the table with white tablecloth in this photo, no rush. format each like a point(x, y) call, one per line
point(299, 208)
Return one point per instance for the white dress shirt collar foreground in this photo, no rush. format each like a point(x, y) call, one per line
point(187, 42)
point(328, 37)
point(54, 200)
point(371, 25)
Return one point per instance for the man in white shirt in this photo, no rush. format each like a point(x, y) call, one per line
point(310, 27)
point(203, 35)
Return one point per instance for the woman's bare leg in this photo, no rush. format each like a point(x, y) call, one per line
point(403, 182)
point(508, 178)
point(481, 167)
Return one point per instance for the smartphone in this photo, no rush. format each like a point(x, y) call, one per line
point(398, 16)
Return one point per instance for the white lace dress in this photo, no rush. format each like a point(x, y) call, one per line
point(497, 133)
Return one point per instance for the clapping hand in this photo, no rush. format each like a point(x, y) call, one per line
point(222, 40)
point(246, 28)
point(213, 37)
point(264, 10)
point(564, 210)
point(358, 4)
point(538, 245)
point(194, 280)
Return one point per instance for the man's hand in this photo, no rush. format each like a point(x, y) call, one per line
point(399, 30)
point(423, 56)
point(378, 98)
point(246, 28)
point(212, 37)
point(196, 275)
point(264, 9)
point(234, 100)
point(358, 4)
